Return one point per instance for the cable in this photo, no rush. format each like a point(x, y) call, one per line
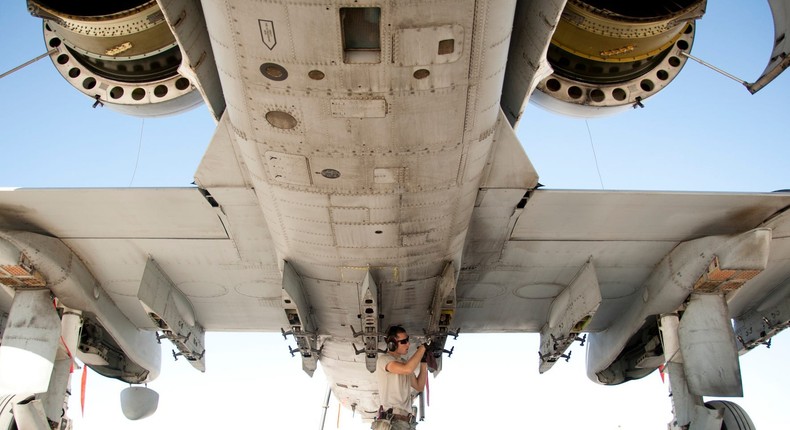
point(589, 133)
point(139, 149)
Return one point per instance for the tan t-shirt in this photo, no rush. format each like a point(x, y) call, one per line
point(394, 390)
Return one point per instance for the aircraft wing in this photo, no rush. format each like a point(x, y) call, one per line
point(220, 258)
point(510, 280)
point(566, 262)
point(516, 261)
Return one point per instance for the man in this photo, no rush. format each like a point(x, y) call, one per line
point(396, 379)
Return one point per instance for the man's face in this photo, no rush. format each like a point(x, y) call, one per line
point(402, 342)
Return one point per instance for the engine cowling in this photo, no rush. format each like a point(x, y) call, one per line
point(120, 53)
point(609, 55)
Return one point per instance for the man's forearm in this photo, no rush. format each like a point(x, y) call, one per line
point(422, 378)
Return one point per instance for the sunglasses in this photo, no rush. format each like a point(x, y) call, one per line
point(402, 341)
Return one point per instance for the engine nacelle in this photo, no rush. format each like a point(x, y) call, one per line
point(609, 55)
point(641, 356)
point(120, 53)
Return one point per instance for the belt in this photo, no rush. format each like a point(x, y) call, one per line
point(406, 418)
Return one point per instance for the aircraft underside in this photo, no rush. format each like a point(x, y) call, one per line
point(365, 172)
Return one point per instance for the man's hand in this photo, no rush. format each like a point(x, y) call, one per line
point(430, 356)
point(428, 351)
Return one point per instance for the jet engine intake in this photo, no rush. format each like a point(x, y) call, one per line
point(609, 55)
point(122, 54)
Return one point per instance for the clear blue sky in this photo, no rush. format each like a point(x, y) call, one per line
point(703, 133)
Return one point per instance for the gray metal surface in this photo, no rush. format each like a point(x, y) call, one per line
point(398, 166)
point(627, 234)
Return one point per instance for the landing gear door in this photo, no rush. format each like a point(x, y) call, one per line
point(707, 342)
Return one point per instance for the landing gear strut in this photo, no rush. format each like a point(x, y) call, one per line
point(36, 357)
point(690, 378)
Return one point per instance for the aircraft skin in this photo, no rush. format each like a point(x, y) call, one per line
point(347, 189)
